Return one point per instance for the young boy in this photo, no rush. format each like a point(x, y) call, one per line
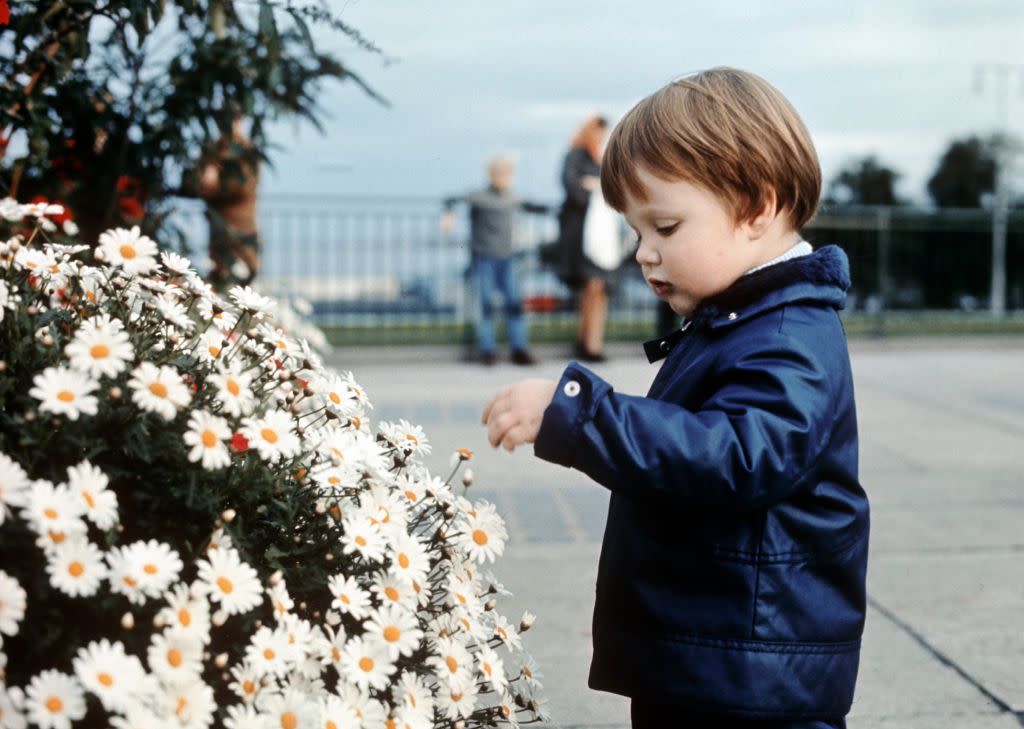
point(730, 591)
point(492, 213)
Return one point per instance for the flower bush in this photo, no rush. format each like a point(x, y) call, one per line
point(199, 527)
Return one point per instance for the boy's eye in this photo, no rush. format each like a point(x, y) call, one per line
point(667, 229)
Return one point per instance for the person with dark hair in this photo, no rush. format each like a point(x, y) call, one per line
point(581, 171)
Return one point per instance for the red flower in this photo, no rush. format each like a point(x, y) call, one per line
point(131, 209)
point(240, 443)
point(5, 13)
point(127, 184)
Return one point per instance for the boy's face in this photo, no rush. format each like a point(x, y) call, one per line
point(501, 177)
point(690, 245)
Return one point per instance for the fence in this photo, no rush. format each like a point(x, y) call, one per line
point(380, 269)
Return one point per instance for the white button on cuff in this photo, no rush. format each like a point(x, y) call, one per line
point(572, 388)
point(732, 316)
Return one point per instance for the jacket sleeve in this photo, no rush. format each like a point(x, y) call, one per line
point(749, 446)
point(573, 172)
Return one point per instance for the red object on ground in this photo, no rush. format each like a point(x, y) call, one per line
point(5, 13)
point(240, 443)
point(542, 303)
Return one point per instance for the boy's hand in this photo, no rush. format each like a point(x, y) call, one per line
point(514, 414)
point(447, 223)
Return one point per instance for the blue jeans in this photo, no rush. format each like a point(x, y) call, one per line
point(491, 273)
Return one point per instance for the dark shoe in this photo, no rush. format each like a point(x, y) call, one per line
point(523, 357)
point(585, 355)
point(488, 358)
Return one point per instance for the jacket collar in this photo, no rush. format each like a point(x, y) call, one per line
point(821, 277)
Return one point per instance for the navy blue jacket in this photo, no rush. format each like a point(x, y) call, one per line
point(732, 571)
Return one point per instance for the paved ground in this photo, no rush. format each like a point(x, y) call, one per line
point(942, 458)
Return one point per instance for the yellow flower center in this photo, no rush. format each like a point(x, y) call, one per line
point(392, 593)
point(233, 387)
point(366, 664)
point(453, 665)
point(288, 720)
point(225, 585)
point(411, 495)
point(54, 704)
point(335, 398)
point(330, 725)
point(269, 435)
point(77, 569)
point(174, 657)
point(159, 389)
point(127, 252)
point(66, 396)
point(248, 686)
point(106, 679)
point(130, 581)
point(50, 513)
point(361, 541)
point(56, 537)
point(149, 569)
point(403, 560)
point(99, 351)
point(209, 439)
point(184, 617)
point(480, 537)
point(392, 634)
point(268, 654)
point(89, 499)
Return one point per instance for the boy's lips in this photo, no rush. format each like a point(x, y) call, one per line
point(660, 287)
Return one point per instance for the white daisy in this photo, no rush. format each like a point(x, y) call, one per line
point(206, 436)
point(416, 701)
point(371, 712)
point(210, 345)
point(14, 486)
point(128, 249)
point(245, 682)
point(64, 391)
point(457, 703)
point(230, 582)
point(336, 713)
point(280, 600)
point(391, 588)
point(175, 658)
point(407, 437)
point(213, 310)
point(116, 678)
point(100, 351)
point(397, 628)
point(76, 567)
point(251, 301)
point(175, 263)
point(492, 669)
point(187, 613)
point(11, 701)
point(273, 436)
point(90, 483)
point(158, 390)
point(269, 653)
point(244, 716)
point(12, 604)
point(363, 538)
point(366, 663)
point(233, 390)
point(174, 312)
point(506, 633)
point(452, 662)
point(191, 705)
point(409, 557)
point(54, 509)
point(482, 534)
point(53, 700)
point(329, 645)
point(146, 568)
point(349, 597)
point(291, 709)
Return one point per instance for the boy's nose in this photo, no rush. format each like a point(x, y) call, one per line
point(646, 255)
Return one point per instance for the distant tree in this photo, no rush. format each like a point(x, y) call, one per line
point(965, 173)
point(864, 181)
point(111, 102)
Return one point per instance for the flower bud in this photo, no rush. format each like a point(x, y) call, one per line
point(115, 393)
point(219, 618)
point(467, 478)
point(127, 621)
point(228, 515)
point(221, 660)
point(527, 622)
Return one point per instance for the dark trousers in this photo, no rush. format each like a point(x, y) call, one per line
point(648, 715)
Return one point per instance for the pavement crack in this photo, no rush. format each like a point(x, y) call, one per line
point(944, 659)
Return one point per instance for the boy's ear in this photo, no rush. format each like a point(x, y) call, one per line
point(757, 225)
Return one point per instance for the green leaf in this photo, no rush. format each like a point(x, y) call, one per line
point(300, 23)
point(268, 26)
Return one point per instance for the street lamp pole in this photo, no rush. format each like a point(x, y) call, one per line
point(1004, 74)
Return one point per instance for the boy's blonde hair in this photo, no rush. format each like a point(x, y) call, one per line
point(726, 130)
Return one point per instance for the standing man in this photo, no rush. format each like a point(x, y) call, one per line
point(228, 181)
point(492, 217)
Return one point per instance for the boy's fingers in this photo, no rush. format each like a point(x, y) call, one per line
point(491, 403)
point(512, 438)
point(498, 425)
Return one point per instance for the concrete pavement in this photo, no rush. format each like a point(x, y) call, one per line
point(942, 458)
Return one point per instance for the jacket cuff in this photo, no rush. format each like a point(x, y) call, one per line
point(575, 401)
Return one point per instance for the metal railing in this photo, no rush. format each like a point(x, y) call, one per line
point(373, 265)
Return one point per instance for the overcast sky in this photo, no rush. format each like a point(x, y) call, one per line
point(468, 78)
